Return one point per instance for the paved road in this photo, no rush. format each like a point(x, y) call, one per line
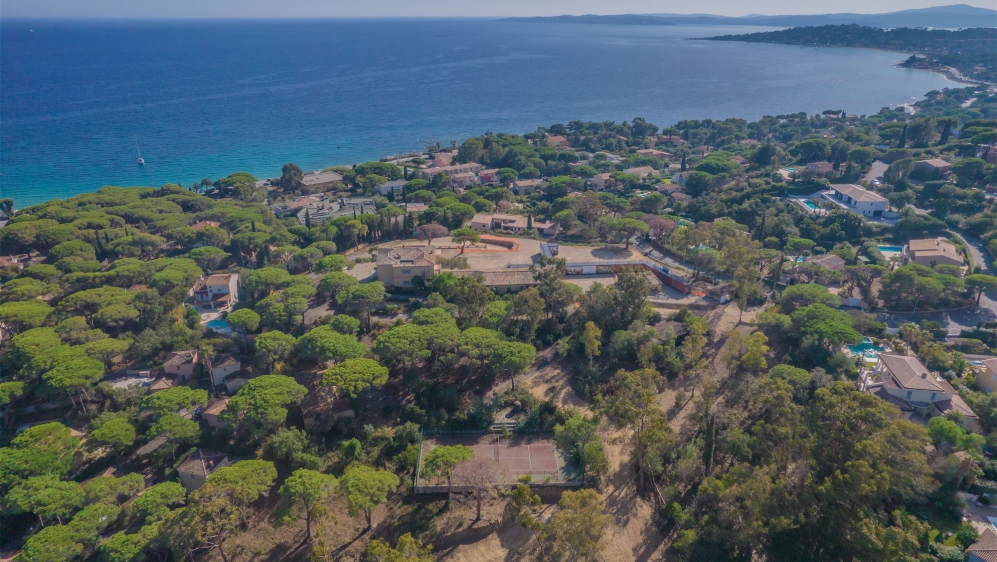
point(979, 253)
point(877, 170)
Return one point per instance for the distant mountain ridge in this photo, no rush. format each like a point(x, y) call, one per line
point(954, 16)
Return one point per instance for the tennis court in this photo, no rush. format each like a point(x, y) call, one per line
point(535, 455)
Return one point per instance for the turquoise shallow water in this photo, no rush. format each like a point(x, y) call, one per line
point(210, 98)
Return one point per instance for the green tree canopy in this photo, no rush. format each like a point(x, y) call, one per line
point(154, 504)
point(365, 488)
point(244, 481)
point(512, 358)
point(274, 346)
point(178, 431)
point(262, 402)
point(353, 376)
point(46, 496)
point(325, 344)
point(42, 449)
point(442, 461)
point(806, 294)
point(173, 400)
point(24, 315)
point(307, 489)
point(244, 320)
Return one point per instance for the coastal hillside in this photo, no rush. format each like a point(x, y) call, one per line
point(969, 51)
point(950, 17)
point(606, 341)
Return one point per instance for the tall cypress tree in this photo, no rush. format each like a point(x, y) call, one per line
point(902, 143)
point(683, 163)
point(946, 131)
point(308, 219)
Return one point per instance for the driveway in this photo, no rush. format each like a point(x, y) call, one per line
point(876, 171)
point(979, 253)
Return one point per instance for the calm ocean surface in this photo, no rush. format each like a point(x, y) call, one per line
point(210, 98)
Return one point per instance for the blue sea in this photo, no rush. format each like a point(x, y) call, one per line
point(78, 100)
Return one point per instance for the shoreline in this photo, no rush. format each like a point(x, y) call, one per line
point(949, 73)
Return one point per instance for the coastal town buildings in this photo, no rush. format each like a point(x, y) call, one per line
point(515, 224)
point(505, 281)
point(522, 187)
point(488, 176)
point(906, 383)
point(200, 464)
point(681, 178)
point(557, 141)
point(601, 182)
point(463, 179)
point(389, 187)
point(470, 167)
point(221, 367)
point(642, 172)
point(320, 181)
point(214, 409)
point(180, 364)
point(858, 200)
point(986, 374)
point(932, 168)
point(216, 292)
point(932, 252)
point(399, 266)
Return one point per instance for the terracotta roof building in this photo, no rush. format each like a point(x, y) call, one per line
point(318, 180)
point(222, 366)
point(399, 266)
point(511, 223)
point(917, 390)
point(215, 407)
point(985, 548)
point(201, 224)
point(557, 141)
point(196, 468)
point(216, 292)
point(503, 281)
point(932, 252)
point(181, 364)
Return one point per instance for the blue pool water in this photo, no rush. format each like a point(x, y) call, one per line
point(212, 97)
point(219, 325)
point(810, 204)
point(866, 348)
point(896, 249)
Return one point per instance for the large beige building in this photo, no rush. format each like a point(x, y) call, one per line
point(906, 383)
point(516, 224)
point(986, 374)
point(932, 252)
point(398, 267)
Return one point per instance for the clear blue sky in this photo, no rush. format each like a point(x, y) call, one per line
point(440, 8)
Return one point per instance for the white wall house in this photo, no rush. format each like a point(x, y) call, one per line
point(903, 381)
point(858, 200)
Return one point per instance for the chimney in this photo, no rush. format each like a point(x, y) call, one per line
point(924, 375)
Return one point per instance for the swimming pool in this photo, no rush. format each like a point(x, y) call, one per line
point(810, 204)
point(891, 249)
point(867, 349)
point(219, 325)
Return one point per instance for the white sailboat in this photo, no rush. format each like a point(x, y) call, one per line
point(141, 161)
